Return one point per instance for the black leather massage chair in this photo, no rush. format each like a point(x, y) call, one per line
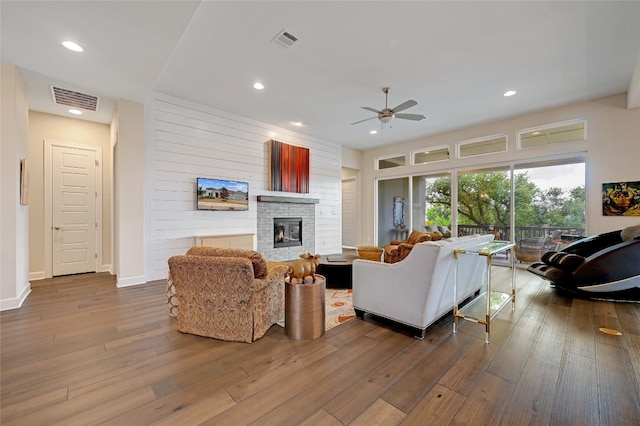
point(603, 265)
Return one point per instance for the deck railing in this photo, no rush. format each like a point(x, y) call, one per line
point(521, 232)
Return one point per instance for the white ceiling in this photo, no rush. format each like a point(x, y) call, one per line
point(456, 59)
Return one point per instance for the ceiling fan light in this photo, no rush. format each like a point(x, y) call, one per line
point(386, 118)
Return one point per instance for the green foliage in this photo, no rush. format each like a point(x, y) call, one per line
point(484, 199)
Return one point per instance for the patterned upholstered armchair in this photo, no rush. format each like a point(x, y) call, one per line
point(226, 293)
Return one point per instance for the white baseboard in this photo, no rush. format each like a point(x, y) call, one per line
point(106, 268)
point(15, 302)
point(34, 276)
point(127, 282)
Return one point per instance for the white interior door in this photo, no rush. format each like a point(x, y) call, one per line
point(349, 213)
point(73, 210)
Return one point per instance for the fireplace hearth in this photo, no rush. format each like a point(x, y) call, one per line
point(287, 232)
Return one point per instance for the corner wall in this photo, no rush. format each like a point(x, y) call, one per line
point(14, 217)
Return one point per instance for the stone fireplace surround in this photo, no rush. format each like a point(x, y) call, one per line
point(270, 207)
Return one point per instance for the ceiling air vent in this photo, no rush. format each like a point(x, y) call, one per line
point(285, 39)
point(74, 99)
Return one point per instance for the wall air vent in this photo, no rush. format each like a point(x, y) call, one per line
point(74, 99)
point(285, 39)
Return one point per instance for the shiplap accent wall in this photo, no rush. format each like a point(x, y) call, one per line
point(187, 141)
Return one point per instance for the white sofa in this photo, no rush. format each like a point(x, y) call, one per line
point(419, 289)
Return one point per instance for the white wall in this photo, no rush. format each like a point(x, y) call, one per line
point(129, 209)
point(187, 141)
point(14, 217)
point(612, 147)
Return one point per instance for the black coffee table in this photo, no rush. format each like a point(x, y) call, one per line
point(337, 269)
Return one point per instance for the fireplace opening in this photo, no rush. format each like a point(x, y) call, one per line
point(287, 232)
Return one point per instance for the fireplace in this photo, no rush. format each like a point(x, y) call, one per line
point(287, 232)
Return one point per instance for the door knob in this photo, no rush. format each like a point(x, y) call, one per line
point(57, 228)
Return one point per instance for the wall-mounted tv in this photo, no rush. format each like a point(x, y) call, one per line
point(221, 194)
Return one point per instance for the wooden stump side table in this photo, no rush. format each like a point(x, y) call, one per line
point(304, 316)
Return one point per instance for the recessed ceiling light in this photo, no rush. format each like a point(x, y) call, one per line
point(75, 111)
point(296, 123)
point(510, 93)
point(72, 46)
point(373, 132)
point(258, 86)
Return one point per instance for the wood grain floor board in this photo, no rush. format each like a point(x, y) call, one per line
point(531, 401)
point(619, 393)
point(407, 392)
point(486, 403)
point(82, 351)
point(576, 399)
point(438, 407)
point(355, 399)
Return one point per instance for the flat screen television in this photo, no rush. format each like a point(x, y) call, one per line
point(222, 194)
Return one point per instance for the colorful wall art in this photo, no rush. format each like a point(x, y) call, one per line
point(621, 199)
point(288, 168)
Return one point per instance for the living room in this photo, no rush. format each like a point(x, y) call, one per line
point(118, 357)
point(148, 213)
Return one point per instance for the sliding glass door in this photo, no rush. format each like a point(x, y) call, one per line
point(549, 206)
point(540, 206)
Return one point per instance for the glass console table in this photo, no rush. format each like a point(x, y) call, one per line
point(483, 308)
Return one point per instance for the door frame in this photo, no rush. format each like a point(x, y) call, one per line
point(48, 201)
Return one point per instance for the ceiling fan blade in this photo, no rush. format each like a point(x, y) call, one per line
point(366, 119)
point(372, 110)
point(416, 117)
point(405, 105)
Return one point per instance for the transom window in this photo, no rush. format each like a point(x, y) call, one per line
point(552, 134)
point(482, 146)
point(430, 155)
point(391, 161)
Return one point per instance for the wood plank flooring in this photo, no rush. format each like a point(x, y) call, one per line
point(81, 351)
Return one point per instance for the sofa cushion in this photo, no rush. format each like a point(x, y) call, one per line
point(258, 262)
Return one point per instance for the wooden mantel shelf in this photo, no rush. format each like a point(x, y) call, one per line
point(293, 200)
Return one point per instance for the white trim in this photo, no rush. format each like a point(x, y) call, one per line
point(48, 170)
point(106, 268)
point(38, 275)
point(131, 281)
point(15, 302)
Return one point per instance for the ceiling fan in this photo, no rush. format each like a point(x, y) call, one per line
point(387, 114)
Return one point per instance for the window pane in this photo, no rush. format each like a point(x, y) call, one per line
point(431, 155)
point(549, 207)
point(552, 134)
point(432, 206)
point(480, 147)
point(387, 163)
point(484, 203)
